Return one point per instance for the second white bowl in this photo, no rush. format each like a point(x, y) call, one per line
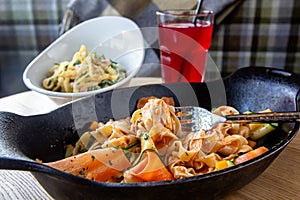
point(118, 38)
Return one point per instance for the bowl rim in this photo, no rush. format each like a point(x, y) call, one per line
point(31, 86)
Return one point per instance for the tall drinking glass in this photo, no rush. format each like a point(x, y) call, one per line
point(184, 39)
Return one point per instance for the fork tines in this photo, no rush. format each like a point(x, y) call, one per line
point(195, 118)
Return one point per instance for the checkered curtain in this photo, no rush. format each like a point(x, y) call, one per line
point(259, 33)
point(26, 28)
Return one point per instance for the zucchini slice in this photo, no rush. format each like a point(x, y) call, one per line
point(261, 131)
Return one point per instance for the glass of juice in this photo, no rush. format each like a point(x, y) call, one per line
point(184, 39)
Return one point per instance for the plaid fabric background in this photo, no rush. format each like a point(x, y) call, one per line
point(259, 33)
point(256, 32)
point(26, 28)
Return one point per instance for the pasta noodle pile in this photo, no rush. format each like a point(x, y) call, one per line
point(150, 146)
point(85, 72)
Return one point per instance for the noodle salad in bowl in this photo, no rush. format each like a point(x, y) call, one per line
point(86, 60)
point(85, 72)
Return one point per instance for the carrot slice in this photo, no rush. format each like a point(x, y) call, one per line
point(149, 169)
point(103, 165)
point(250, 155)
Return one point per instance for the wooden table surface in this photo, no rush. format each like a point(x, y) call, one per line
point(280, 181)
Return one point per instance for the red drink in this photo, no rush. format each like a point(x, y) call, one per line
point(183, 49)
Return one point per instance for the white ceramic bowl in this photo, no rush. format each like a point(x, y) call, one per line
point(118, 38)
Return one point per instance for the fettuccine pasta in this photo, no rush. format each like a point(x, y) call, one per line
point(85, 72)
point(150, 146)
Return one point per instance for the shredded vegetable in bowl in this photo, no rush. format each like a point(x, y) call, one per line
point(85, 72)
point(150, 146)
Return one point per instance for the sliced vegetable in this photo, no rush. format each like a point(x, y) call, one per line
point(275, 125)
point(149, 169)
point(223, 164)
point(252, 143)
point(261, 131)
point(149, 166)
point(69, 150)
point(250, 155)
point(100, 165)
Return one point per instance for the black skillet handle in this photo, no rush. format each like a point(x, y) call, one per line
point(8, 126)
point(10, 155)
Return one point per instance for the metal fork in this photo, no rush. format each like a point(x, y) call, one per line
point(197, 118)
